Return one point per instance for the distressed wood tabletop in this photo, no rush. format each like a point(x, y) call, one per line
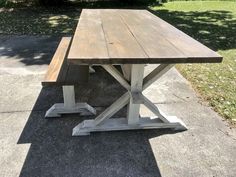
point(112, 36)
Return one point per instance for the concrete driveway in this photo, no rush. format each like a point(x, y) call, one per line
point(33, 146)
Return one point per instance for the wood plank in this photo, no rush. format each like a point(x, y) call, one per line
point(117, 75)
point(54, 72)
point(191, 48)
point(156, 74)
point(88, 41)
point(137, 72)
point(105, 40)
point(120, 41)
point(58, 109)
point(69, 96)
point(152, 107)
point(120, 124)
point(89, 17)
point(148, 37)
point(60, 72)
point(112, 109)
point(133, 37)
point(126, 69)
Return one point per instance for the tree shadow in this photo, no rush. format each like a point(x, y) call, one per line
point(27, 49)
point(54, 152)
point(55, 20)
point(216, 29)
point(39, 20)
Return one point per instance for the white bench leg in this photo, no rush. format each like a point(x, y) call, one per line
point(69, 96)
point(70, 106)
point(134, 98)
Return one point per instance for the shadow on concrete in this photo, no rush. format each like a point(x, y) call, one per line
point(54, 152)
point(29, 50)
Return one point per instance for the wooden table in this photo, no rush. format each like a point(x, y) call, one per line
point(132, 38)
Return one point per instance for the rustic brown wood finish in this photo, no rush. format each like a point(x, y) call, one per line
point(133, 37)
point(59, 72)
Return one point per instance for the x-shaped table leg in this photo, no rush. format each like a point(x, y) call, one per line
point(133, 97)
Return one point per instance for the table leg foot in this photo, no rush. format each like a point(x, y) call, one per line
point(181, 125)
point(58, 109)
point(81, 130)
point(120, 124)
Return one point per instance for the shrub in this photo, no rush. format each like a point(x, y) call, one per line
point(51, 2)
point(3, 3)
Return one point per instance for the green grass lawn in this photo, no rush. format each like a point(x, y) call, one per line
point(214, 24)
point(211, 22)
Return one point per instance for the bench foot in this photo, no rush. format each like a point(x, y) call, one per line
point(58, 109)
point(120, 124)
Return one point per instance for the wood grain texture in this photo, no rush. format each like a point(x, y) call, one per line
point(191, 48)
point(60, 73)
point(111, 36)
point(149, 36)
point(89, 40)
point(120, 42)
point(54, 73)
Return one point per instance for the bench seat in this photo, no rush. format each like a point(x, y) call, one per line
point(60, 73)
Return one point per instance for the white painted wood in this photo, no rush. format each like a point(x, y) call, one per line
point(156, 74)
point(69, 96)
point(91, 70)
point(133, 113)
point(126, 69)
point(111, 110)
point(137, 98)
point(53, 112)
point(117, 75)
point(83, 109)
point(88, 126)
point(134, 97)
point(137, 72)
point(154, 109)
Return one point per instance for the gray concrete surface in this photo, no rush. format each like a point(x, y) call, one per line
point(33, 146)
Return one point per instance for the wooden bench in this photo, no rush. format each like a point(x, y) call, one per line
point(61, 74)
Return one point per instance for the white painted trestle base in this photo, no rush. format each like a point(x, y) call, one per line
point(133, 98)
point(118, 124)
point(70, 106)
